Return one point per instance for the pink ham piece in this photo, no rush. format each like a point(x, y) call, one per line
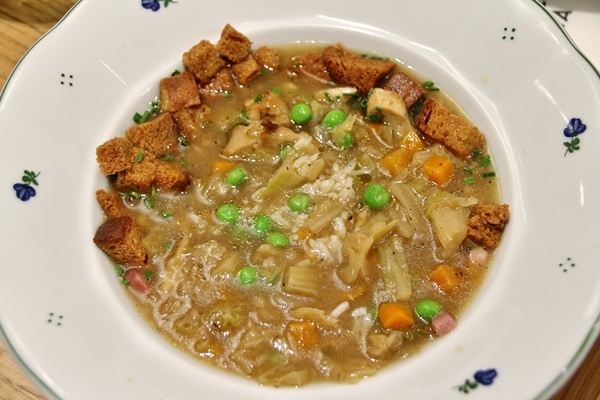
point(443, 323)
point(137, 281)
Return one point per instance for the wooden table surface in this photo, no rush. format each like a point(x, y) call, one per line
point(22, 22)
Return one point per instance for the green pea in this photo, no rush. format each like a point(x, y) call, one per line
point(228, 213)
point(263, 224)
point(345, 141)
point(278, 239)
point(299, 203)
point(376, 197)
point(427, 309)
point(301, 113)
point(248, 275)
point(236, 176)
point(334, 118)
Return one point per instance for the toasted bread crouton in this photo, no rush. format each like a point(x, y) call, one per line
point(223, 82)
point(121, 239)
point(312, 64)
point(189, 121)
point(170, 177)
point(245, 70)
point(178, 92)
point(158, 136)
point(115, 155)
point(442, 125)
point(267, 58)
point(110, 203)
point(203, 61)
point(140, 177)
point(410, 90)
point(486, 224)
point(350, 69)
point(233, 45)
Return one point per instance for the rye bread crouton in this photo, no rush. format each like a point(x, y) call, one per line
point(233, 45)
point(223, 82)
point(158, 136)
point(189, 121)
point(203, 61)
point(245, 70)
point(440, 124)
point(312, 64)
point(140, 177)
point(110, 203)
point(121, 239)
point(115, 155)
point(410, 90)
point(267, 58)
point(359, 72)
point(486, 224)
point(178, 92)
point(170, 177)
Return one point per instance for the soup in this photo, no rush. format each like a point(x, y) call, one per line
point(299, 213)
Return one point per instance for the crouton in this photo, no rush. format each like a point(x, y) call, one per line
point(486, 224)
point(140, 177)
point(170, 177)
point(410, 90)
point(245, 70)
point(350, 69)
point(189, 121)
point(312, 64)
point(110, 203)
point(158, 136)
point(121, 239)
point(267, 58)
point(442, 125)
point(178, 92)
point(115, 155)
point(233, 45)
point(222, 82)
point(203, 61)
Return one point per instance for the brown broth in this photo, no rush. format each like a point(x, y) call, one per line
point(197, 301)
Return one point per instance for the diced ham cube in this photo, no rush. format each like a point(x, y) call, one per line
point(443, 323)
point(137, 281)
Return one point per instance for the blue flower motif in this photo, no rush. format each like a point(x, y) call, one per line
point(574, 128)
point(486, 377)
point(24, 191)
point(153, 5)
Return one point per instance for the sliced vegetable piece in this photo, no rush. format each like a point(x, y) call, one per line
point(395, 316)
point(438, 169)
point(446, 277)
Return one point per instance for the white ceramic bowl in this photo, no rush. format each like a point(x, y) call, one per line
point(508, 63)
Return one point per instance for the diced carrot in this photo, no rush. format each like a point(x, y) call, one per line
point(303, 234)
point(445, 276)
point(396, 161)
point(438, 169)
point(304, 334)
point(221, 165)
point(395, 316)
point(412, 142)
